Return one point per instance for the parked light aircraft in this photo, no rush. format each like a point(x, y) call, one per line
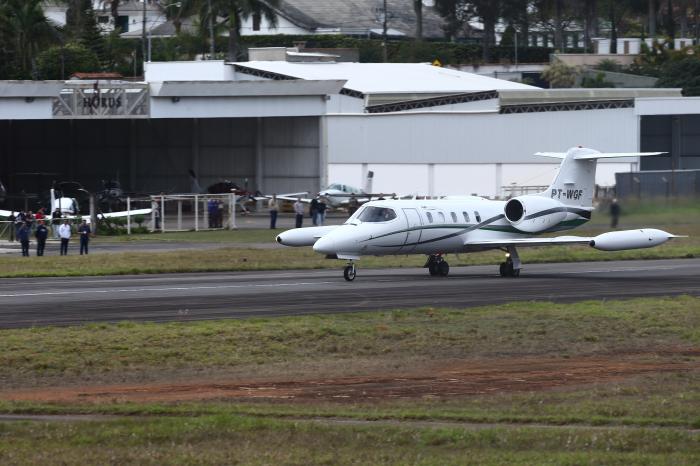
point(69, 209)
point(339, 194)
point(472, 224)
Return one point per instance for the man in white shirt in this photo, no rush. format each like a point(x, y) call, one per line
point(64, 232)
point(299, 210)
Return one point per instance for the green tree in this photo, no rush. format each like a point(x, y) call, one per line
point(683, 73)
point(24, 30)
point(234, 11)
point(57, 62)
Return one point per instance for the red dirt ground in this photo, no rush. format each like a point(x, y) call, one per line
point(466, 377)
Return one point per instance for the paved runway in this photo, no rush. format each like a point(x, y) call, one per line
point(179, 297)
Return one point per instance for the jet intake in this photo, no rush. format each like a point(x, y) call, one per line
point(303, 236)
point(534, 214)
point(630, 239)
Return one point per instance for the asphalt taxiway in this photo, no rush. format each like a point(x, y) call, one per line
point(181, 297)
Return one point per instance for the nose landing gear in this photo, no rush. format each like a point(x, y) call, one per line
point(349, 271)
point(437, 266)
point(511, 267)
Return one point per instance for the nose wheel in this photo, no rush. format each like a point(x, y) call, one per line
point(349, 272)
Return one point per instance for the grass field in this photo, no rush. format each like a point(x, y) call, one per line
point(649, 417)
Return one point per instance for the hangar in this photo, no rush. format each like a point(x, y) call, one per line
point(296, 123)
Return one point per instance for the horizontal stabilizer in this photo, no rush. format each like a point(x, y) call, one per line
point(598, 155)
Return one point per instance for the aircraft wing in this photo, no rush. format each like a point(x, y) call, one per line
point(285, 197)
point(7, 213)
point(557, 240)
point(294, 198)
point(125, 213)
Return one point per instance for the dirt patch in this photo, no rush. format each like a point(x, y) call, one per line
point(443, 380)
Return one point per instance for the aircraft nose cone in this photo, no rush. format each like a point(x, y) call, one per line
point(325, 245)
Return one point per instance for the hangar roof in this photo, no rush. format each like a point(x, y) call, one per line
point(373, 78)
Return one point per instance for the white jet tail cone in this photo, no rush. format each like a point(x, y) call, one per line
point(630, 239)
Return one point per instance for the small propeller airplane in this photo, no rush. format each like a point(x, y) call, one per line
point(473, 224)
point(339, 195)
point(69, 208)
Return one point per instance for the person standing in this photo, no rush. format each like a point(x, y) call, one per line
point(219, 213)
point(299, 211)
point(23, 237)
point(211, 210)
point(353, 204)
point(84, 231)
point(313, 210)
point(64, 232)
point(614, 213)
point(41, 234)
point(273, 207)
point(321, 212)
point(56, 222)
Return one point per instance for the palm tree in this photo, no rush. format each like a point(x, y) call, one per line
point(24, 30)
point(234, 11)
point(418, 9)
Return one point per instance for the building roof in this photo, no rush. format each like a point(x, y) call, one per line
point(349, 15)
point(373, 78)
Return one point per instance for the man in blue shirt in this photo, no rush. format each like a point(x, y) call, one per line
point(23, 237)
point(84, 231)
point(41, 233)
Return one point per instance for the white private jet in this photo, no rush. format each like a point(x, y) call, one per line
point(472, 224)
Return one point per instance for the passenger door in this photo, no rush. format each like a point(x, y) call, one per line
point(413, 224)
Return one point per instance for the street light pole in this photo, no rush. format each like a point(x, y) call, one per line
point(384, 24)
point(212, 45)
point(143, 34)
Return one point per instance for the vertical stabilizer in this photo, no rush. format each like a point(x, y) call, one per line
point(54, 205)
point(574, 185)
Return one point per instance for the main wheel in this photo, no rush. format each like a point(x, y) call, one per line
point(349, 273)
point(433, 269)
point(443, 268)
point(502, 269)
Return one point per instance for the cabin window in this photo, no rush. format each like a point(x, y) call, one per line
point(454, 217)
point(441, 216)
point(377, 214)
point(477, 216)
point(430, 217)
point(466, 216)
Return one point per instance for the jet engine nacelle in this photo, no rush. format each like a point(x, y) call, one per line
point(303, 236)
point(630, 239)
point(533, 214)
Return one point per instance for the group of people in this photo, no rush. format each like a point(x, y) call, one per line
point(317, 212)
point(215, 208)
point(41, 232)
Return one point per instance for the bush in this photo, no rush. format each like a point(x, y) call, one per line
point(684, 73)
point(72, 58)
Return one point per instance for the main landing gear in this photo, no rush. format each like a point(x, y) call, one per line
point(511, 267)
point(437, 266)
point(349, 271)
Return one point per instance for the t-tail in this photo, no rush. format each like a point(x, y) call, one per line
point(574, 185)
point(568, 201)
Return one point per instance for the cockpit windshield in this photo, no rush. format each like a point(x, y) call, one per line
point(377, 214)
